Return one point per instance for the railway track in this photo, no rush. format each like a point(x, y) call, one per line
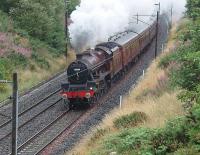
point(28, 109)
point(44, 137)
point(7, 100)
point(26, 122)
point(39, 141)
point(26, 117)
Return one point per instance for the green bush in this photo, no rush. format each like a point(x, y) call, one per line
point(149, 141)
point(10, 63)
point(3, 69)
point(41, 20)
point(187, 75)
point(188, 150)
point(6, 5)
point(167, 60)
point(130, 120)
point(72, 5)
point(41, 61)
point(5, 22)
point(17, 60)
point(193, 9)
point(128, 140)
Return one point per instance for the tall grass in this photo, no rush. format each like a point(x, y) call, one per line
point(30, 77)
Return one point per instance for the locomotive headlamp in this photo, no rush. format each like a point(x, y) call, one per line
point(87, 95)
point(91, 88)
point(64, 96)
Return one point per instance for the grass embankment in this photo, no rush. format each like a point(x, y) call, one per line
point(29, 78)
point(152, 119)
point(32, 41)
point(34, 59)
point(32, 74)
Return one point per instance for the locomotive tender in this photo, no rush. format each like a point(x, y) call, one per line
point(95, 70)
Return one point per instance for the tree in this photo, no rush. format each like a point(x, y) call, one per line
point(6, 5)
point(72, 5)
point(42, 19)
point(193, 9)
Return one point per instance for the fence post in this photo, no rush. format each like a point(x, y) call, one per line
point(162, 48)
point(120, 102)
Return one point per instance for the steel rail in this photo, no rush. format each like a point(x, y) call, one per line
point(22, 93)
point(59, 134)
point(23, 124)
point(30, 108)
point(42, 131)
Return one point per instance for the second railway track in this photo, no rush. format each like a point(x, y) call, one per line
point(30, 108)
point(42, 138)
point(29, 119)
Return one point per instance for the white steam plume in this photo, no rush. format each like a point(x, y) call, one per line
point(95, 21)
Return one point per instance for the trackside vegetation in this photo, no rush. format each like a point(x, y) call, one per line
point(177, 86)
point(32, 40)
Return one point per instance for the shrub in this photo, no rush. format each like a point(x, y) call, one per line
point(72, 5)
point(167, 60)
point(188, 150)
point(4, 22)
point(128, 140)
point(6, 5)
point(130, 120)
point(41, 61)
point(187, 76)
point(194, 124)
point(41, 20)
point(17, 60)
point(193, 9)
point(10, 63)
point(149, 141)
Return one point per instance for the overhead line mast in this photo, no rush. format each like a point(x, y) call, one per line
point(66, 25)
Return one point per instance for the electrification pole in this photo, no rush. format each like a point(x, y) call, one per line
point(157, 28)
point(158, 6)
point(15, 114)
point(171, 14)
point(66, 25)
point(14, 111)
point(156, 44)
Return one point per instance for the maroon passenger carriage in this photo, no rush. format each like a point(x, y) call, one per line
point(95, 70)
